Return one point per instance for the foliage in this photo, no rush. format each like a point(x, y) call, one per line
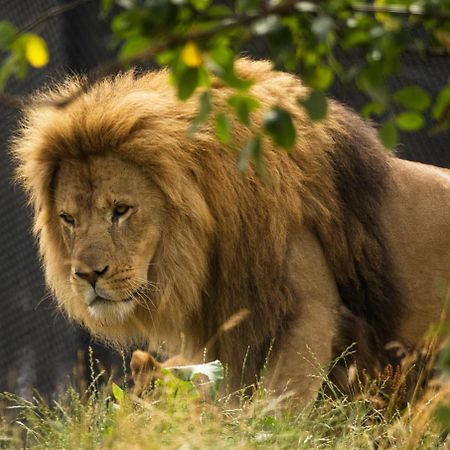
point(199, 39)
point(22, 50)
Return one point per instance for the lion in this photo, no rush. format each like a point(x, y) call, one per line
point(148, 233)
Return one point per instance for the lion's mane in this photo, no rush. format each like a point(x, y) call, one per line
point(227, 235)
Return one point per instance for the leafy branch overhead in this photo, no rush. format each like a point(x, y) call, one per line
point(199, 39)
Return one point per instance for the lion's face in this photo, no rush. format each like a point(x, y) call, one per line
point(111, 219)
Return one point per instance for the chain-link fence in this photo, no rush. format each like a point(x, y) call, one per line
point(38, 346)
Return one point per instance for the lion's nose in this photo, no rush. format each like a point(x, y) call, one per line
point(90, 276)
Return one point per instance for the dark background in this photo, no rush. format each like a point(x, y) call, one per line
point(38, 347)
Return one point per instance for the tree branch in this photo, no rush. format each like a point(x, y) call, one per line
point(50, 13)
point(412, 10)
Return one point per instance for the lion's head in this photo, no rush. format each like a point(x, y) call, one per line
point(111, 220)
point(124, 230)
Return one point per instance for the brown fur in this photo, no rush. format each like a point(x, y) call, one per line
point(226, 243)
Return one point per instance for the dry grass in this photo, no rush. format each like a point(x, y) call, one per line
point(174, 417)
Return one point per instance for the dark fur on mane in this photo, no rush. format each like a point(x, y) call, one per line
point(368, 289)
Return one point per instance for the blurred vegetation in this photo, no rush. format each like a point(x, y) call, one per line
point(199, 39)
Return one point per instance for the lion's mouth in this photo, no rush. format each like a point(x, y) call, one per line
point(110, 311)
point(98, 300)
point(103, 301)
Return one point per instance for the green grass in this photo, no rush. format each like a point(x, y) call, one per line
point(174, 417)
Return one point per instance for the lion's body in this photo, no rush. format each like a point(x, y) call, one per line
point(345, 243)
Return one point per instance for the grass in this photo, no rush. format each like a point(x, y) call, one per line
point(175, 417)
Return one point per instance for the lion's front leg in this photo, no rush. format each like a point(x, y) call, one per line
point(304, 351)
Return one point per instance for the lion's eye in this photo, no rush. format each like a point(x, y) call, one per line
point(67, 218)
point(120, 210)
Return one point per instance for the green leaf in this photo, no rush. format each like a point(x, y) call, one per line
point(203, 77)
point(200, 5)
point(105, 7)
point(243, 106)
point(213, 370)
point(187, 82)
point(124, 25)
point(321, 78)
point(8, 68)
point(118, 393)
point(269, 423)
point(444, 359)
point(7, 34)
point(316, 105)
point(388, 134)
point(355, 38)
point(413, 97)
point(235, 82)
point(441, 108)
point(205, 109)
point(134, 46)
point(205, 106)
point(282, 47)
point(410, 121)
point(442, 414)
point(258, 160)
point(371, 82)
point(226, 72)
point(389, 21)
point(219, 11)
point(20, 64)
point(220, 55)
point(18, 59)
point(373, 109)
point(252, 147)
point(223, 128)
point(166, 57)
point(245, 6)
point(252, 151)
point(278, 124)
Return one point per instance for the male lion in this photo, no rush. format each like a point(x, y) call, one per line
point(147, 234)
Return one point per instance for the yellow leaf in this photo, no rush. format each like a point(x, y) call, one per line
point(36, 51)
point(191, 55)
